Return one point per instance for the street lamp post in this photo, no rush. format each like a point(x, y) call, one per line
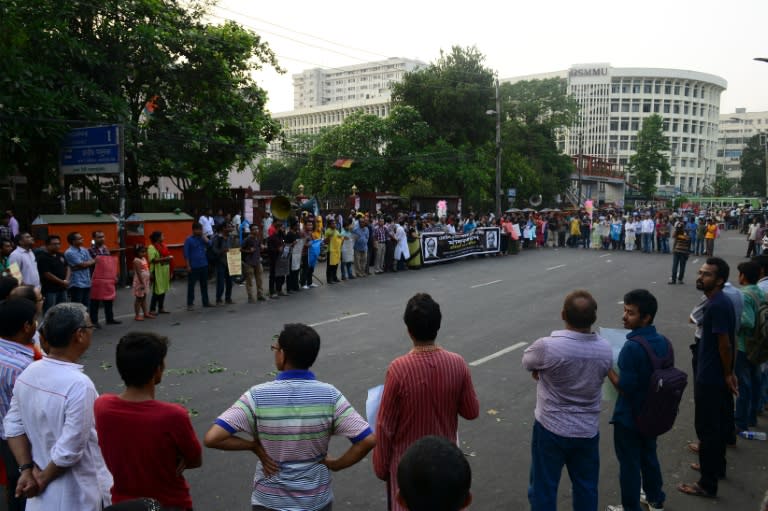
point(497, 113)
point(765, 140)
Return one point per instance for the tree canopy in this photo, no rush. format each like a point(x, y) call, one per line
point(753, 166)
point(74, 64)
point(650, 162)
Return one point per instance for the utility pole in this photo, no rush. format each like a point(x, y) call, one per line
point(581, 162)
point(498, 151)
point(121, 192)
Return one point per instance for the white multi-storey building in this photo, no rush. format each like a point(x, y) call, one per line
point(361, 82)
point(735, 131)
point(614, 102)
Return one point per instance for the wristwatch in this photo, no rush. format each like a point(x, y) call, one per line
point(26, 466)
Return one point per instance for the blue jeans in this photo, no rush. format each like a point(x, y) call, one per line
point(664, 245)
point(699, 246)
point(549, 452)
point(197, 275)
point(748, 400)
point(223, 282)
point(80, 295)
point(54, 298)
point(647, 239)
point(637, 457)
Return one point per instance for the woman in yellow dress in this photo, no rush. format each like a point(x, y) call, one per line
point(333, 240)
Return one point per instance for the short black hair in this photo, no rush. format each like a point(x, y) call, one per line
point(433, 474)
point(25, 291)
point(155, 236)
point(71, 237)
point(422, 317)
point(750, 270)
point(138, 356)
point(762, 260)
point(52, 237)
point(62, 321)
point(723, 270)
point(15, 312)
point(7, 284)
point(300, 344)
point(580, 315)
point(197, 225)
point(646, 303)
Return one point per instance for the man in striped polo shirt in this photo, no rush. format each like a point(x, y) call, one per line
point(291, 420)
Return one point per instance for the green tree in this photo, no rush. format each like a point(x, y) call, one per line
point(722, 185)
point(650, 163)
point(753, 166)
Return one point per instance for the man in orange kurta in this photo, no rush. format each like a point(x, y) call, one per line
point(425, 391)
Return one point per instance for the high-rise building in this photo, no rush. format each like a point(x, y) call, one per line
point(735, 131)
point(614, 102)
point(361, 82)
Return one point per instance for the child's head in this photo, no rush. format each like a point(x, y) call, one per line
point(140, 250)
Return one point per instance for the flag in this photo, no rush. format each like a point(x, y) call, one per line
point(343, 164)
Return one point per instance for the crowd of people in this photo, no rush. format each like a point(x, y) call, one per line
point(65, 447)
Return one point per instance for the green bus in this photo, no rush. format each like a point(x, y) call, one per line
point(723, 202)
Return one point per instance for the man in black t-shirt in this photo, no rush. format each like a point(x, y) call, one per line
point(715, 381)
point(54, 273)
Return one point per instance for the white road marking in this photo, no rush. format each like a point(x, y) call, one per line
point(486, 284)
point(556, 267)
point(695, 261)
point(621, 302)
point(340, 318)
point(605, 255)
point(497, 354)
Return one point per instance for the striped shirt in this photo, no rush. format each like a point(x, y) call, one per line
point(14, 358)
point(294, 418)
point(425, 392)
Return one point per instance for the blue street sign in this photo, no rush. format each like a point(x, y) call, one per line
point(93, 150)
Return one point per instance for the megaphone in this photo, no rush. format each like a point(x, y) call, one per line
point(311, 205)
point(281, 207)
point(535, 200)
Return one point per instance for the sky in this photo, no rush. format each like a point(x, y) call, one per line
point(517, 37)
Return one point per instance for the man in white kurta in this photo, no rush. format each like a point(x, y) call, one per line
point(50, 425)
point(402, 253)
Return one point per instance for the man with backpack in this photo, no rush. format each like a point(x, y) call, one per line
point(750, 334)
point(643, 410)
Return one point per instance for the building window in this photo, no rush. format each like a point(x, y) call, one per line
point(635, 106)
point(624, 125)
point(615, 88)
point(614, 107)
point(635, 124)
point(677, 90)
point(647, 87)
point(647, 106)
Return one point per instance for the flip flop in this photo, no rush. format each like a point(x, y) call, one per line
point(694, 447)
point(695, 490)
point(695, 466)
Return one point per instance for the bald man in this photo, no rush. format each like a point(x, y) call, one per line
point(569, 367)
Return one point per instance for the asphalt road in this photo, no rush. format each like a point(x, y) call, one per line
point(491, 306)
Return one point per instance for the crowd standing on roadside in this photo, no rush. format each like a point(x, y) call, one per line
point(64, 447)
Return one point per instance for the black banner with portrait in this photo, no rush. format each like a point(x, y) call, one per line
point(439, 246)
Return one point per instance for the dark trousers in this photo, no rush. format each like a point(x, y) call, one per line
point(748, 400)
point(389, 256)
point(751, 248)
point(714, 427)
point(108, 311)
point(197, 275)
point(223, 282)
point(12, 474)
point(157, 302)
point(330, 273)
point(292, 283)
point(275, 282)
point(306, 271)
point(637, 462)
point(54, 298)
point(80, 295)
point(549, 453)
point(678, 266)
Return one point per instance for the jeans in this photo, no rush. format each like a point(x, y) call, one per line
point(223, 281)
point(637, 461)
point(54, 298)
point(346, 270)
point(699, 246)
point(714, 427)
point(197, 275)
point(664, 245)
point(80, 295)
point(647, 240)
point(549, 452)
point(748, 400)
point(678, 266)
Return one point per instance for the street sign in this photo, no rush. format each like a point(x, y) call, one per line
point(93, 150)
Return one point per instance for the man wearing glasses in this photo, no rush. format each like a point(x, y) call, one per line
point(290, 422)
point(50, 425)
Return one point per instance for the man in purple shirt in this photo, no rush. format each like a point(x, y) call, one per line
point(569, 367)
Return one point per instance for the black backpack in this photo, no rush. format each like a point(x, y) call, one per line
point(665, 391)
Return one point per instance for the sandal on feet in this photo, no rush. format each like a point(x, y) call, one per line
point(694, 447)
point(695, 490)
point(138, 318)
point(695, 466)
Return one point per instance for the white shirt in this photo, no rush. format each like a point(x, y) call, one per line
point(754, 230)
point(27, 264)
point(53, 405)
point(647, 226)
point(207, 223)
